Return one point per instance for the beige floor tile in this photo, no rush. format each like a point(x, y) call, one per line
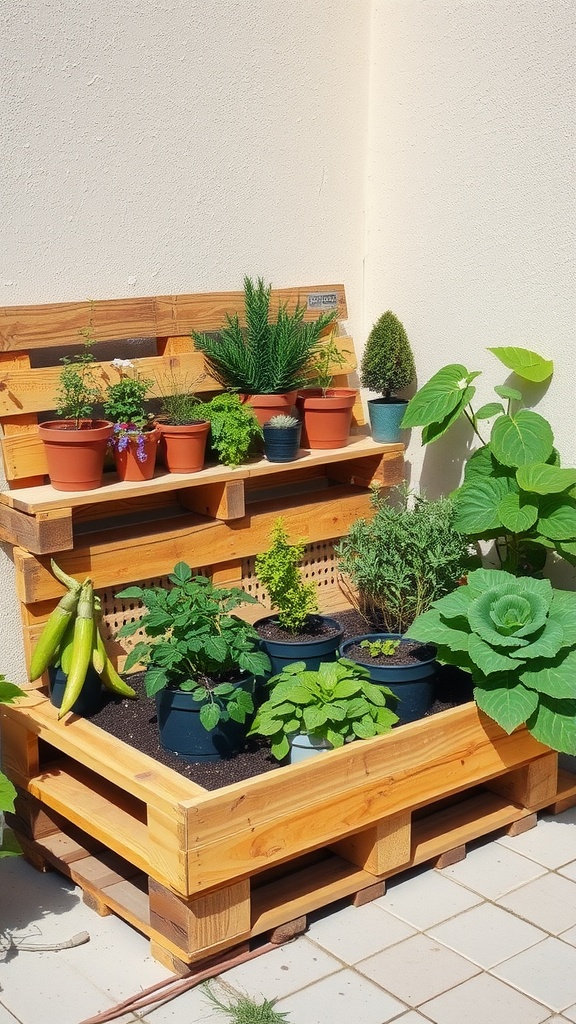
point(417, 969)
point(487, 934)
point(548, 902)
point(355, 933)
point(425, 898)
point(487, 1000)
point(339, 999)
point(283, 971)
point(552, 843)
point(546, 972)
point(492, 870)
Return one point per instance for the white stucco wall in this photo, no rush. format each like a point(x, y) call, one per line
point(471, 207)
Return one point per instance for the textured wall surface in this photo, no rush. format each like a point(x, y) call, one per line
point(471, 207)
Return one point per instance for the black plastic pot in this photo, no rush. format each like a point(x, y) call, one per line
point(313, 652)
point(412, 684)
point(181, 731)
point(90, 699)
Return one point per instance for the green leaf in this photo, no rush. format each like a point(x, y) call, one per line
point(280, 748)
point(488, 660)
point(9, 692)
point(517, 512)
point(477, 504)
point(314, 718)
point(155, 680)
point(485, 412)
point(364, 729)
point(509, 705)
point(7, 794)
point(504, 391)
point(556, 680)
point(438, 397)
point(525, 363)
point(432, 431)
point(557, 519)
point(455, 605)
point(554, 724)
point(482, 463)
point(10, 845)
point(547, 645)
point(542, 478)
point(182, 574)
point(431, 628)
point(134, 592)
point(563, 611)
point(520, 439)
point(210, 715)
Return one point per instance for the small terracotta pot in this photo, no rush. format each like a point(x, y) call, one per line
point(75, 456)
point(266, 406)
point(128, 465)
point(184, 446)
point(326, 419)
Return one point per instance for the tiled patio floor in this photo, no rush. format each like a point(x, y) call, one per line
point(491, 940)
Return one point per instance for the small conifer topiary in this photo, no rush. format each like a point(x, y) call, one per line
point(388, 363)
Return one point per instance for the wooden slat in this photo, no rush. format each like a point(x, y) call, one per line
point(59, 324)
point(112, 558)
point(327, 799)
point(45, 532)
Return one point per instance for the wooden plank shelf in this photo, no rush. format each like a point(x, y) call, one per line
point(226, 865)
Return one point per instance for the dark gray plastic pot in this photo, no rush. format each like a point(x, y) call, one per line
point(90, 699)
point(181, 731)
point(313, 652)
point(412, 684)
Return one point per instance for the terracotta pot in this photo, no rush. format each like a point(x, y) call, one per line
point(128, 465)
point(326, 419)
point(184, 446)
point(266, 406)
point(75, 456)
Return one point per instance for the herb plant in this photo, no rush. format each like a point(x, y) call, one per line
point(326, 359)
point(277, 569)
point(264, 357)
point(194, 643)
point(79, 389)
point(124, 405)
point(282, 422)
point(336, 702)
point(234, 429)
point(514, 491)
point(388, 363)
point(181, 409)
point(516, 636)
point(395, 564)
point(377, 647)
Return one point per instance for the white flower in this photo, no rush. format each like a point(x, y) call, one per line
point(122, 364)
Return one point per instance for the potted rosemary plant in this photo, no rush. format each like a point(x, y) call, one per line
point(75, 444)
point(264, 360)
point(135, 436)
point(393, 567)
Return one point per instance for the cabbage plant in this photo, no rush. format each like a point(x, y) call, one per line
point(516, 636)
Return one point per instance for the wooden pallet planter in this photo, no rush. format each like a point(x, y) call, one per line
point(200, 872)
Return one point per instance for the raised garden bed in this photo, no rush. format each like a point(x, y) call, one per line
point(200, 872)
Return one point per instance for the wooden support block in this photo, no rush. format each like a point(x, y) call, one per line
point(201, 923)
point(380, 849)
point(44, 533)
point(531, 785)
point(222, 500)
point(93, 901)
point(286, 932)
point(20, 755)
point(369, 894)
point(445, 860)
point(386, 469)
point(522, 825)
point(31, 818)
point(32, 855)
point(168, 959)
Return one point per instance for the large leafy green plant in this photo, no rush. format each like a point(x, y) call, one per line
point(195, 644)
point(396, 563)
point(264, 357)
point(514, 490)
point(516, 636)
point(336, 702)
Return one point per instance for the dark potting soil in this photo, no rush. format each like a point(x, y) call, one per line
point(134, 722)
point(316, 629)
point(409, 652)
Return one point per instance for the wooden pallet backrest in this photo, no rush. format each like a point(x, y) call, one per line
point(31, 335)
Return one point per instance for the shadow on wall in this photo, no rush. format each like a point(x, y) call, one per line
point(444, 460)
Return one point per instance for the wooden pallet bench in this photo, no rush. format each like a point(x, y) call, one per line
point(200, 872)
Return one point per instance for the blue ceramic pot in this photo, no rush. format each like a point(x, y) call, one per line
point(412, 684)
point(281, 444)
point(385, 419)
